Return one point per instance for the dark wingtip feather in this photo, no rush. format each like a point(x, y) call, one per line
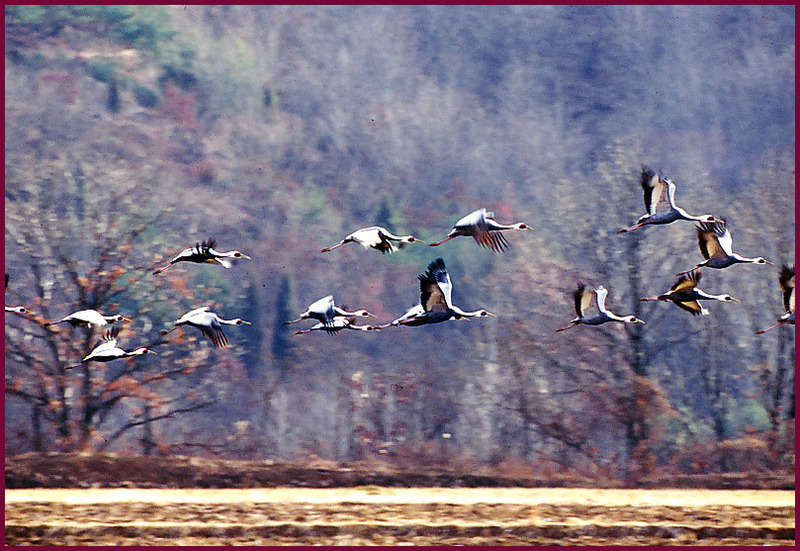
point(787, 273)
point(647, 176)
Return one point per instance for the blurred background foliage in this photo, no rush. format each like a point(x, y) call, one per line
point(133, 132)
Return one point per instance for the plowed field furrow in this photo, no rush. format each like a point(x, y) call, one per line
point(378, 516)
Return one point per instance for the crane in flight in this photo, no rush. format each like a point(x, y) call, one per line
point(685, 294)
point(376, 237)
point(435, 302)
point(325, 311)
point(107, 350)
point(89, 318)
point(786, 282)
point(484, 229)
point(204, 252)
point(209, 324)
point(654, 187)
point(583, 300)
point(336, 324)
point(716, 246)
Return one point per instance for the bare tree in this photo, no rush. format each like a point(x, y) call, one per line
point(73, 252)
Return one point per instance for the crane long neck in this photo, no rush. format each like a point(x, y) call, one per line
point(739, 258)
point(702, 294)
point(494, 225)
point(686, 216)
point(613, 316)
point(461, 313)
point(358, 327)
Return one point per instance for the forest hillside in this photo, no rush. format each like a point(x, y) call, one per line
point(133, 133)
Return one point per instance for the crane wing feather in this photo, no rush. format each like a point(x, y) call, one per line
point(653, 188)
point(714, 239)
point(215, 334)
point(692, 307)
point(687, 282)
point(601, 293)
point(435, 287)
point(786, 281)
point(583, 300)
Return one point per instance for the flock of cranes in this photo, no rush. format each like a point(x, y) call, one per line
point(435, 301)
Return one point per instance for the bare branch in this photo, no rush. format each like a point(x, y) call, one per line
point(139, 421)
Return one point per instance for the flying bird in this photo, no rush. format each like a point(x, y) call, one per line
point(324, 310)
point(336, 324)
point(15, 309)
point(484, 229)
point(716, 246)
point(435, 304)
point(204, 252)
point(654, 186)
point(378, 238)
point(786, 281)
point(107, 350)
point(685, 294)
point(583, 300)
point(89, 318)
point(209, 323)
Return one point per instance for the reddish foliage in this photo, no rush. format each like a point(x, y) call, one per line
point(180, 107)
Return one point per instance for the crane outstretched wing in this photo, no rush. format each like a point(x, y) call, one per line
point(435, 287)
point(786, 281)
point(215, 334)
point(687, 282)
point(653, 187)
point(583, 299)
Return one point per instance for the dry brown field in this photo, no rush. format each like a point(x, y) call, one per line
point(372, 515)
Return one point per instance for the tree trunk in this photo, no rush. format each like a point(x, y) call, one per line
point(636, 428)
point(147, 431)
point(36, 420)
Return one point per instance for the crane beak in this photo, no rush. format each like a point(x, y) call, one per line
point(735, 299)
